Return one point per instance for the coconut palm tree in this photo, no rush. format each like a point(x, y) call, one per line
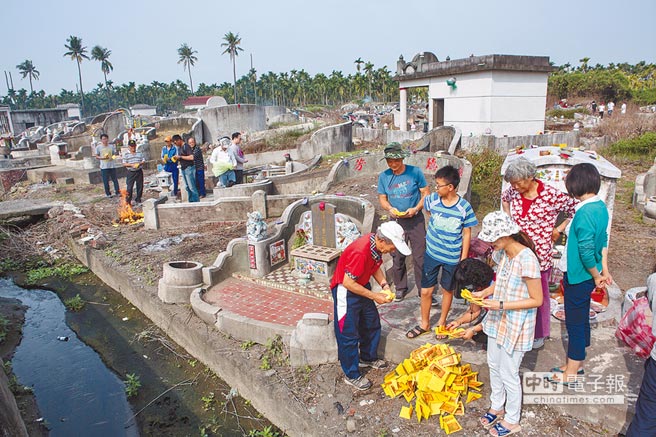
point(369, 72)
point(27, 69)
point(358, 62)
point(584, 64)
point(102, 55)
point(188, 60)
point(77, 52)
point(231, 45)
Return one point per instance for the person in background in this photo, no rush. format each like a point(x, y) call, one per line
point(644, 421)
point(170, 158)
point(535, 206)
point(237, 155)
point(188, 168)
point(133, 161)
point(222, 164)
point(593, 106)
point(510, 321)
point(623, 108)
point(611, 108)
point(602, 109)
point(587, 267)
point(356, 319)
point(199, 165)
point(105, 154)
point(401, 192)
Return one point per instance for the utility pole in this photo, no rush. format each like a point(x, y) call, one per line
point(7, 80)
point(11, 79)
point(253, 79)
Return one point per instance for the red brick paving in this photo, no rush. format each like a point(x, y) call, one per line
point(265, 304)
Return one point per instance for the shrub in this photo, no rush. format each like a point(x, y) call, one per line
point(566, 113)
point(74, 303)
point(486, 181)
point(642, 147)
point(132, 385)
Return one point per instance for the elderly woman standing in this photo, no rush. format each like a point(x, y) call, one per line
point(534, 206)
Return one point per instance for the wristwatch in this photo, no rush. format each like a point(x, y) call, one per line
point(501, 305)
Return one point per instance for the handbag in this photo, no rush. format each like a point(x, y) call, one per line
point(635, 328)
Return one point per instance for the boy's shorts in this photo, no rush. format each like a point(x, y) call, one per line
point(432, 270)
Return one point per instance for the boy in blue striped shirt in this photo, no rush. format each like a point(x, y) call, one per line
point(447, 243)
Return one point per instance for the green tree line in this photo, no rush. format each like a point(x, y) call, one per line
point(605, 82)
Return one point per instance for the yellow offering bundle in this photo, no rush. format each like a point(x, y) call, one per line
point(165, 159)
point(390, 294)
point(175, 158)
point(399, 213)
point(451, 333)
point(440, 383)
point(466, 294)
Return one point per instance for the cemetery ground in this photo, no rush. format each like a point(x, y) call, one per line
point(320, 389)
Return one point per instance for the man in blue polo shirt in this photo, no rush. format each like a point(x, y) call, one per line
point(401, 191)
point(357, 322)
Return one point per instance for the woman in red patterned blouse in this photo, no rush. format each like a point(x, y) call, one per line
point(534, 206)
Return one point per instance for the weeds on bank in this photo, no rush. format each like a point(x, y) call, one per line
point(208, 401)
point(638, 148)
point(267, 431)
point(132, 385)
point(274, 354)
point(74, 304)
point(247, 345)
point(64, 271)
point(4, 323)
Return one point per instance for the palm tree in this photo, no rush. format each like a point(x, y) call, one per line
point(584, 64)
point(369, 71)
point(231, 45)
point(102, 55)
point(188, 60)
point(357, 63)
point(77, 52)
point(27, 69)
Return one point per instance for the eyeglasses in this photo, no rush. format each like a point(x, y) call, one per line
point(438, 186)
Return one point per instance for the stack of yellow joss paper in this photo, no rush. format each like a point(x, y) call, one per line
point(440, 383)
point(466, 294)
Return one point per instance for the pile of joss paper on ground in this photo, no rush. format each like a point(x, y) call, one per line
point(440, 383)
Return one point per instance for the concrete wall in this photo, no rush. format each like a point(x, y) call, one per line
point(225, 120)
point(274, 111)
point(385, 136)
point(185, 125)
point(373, 164)
point(277, 156)
point(504, 144)
point(328, 140)
point(36, 117)
point(506, 102)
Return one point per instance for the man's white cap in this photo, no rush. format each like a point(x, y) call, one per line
point(394, 232)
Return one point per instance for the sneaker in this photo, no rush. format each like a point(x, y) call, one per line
point(361, 383)
point(399, 296)
point(538, 343)
point(434, 302)
point(376, 364)
point(108, 196)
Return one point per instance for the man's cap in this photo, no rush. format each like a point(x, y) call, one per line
point(167, 139)
point(394, 151)
point(497, 224)
point(394, 232)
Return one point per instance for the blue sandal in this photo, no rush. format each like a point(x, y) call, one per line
point(503, 431)
point(491, 419)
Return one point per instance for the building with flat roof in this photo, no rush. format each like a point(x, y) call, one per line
point(502, 95)
point(202, 102)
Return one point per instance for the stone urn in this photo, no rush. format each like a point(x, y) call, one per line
point(179, 280)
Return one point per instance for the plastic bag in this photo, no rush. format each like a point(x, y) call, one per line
point(635, 328)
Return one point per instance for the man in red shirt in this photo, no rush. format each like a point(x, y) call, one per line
point(357, 322)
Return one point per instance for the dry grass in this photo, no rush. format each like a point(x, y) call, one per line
point(630, 125)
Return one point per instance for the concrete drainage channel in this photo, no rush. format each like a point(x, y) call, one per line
point(190, 332)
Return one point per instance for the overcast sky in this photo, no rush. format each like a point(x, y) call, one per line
point(282, 35)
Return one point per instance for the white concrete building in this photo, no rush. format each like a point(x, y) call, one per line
point(492, 94)
point(143, 110)
point(73, 110)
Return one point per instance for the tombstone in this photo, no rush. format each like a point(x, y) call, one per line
point(323, 224)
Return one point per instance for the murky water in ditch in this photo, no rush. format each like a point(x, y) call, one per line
point(178, 396)
point(75, 392)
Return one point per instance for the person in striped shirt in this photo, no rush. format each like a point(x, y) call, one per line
point(133, 161)
point(447, 243)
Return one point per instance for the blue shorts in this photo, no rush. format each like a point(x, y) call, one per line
point(431, 271)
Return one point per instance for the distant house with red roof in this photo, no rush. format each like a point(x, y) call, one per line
point(202, 102)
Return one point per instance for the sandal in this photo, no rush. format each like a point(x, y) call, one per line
point(490, 419)
point(417, 331)
point(559, 370)
point(502, 431)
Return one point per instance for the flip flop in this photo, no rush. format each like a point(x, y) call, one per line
point(417, 331)
point(559, 370)
point(564, 383)
point(502, 431)
point(491, 419)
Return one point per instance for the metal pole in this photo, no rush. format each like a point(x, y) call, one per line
point(7, 80)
